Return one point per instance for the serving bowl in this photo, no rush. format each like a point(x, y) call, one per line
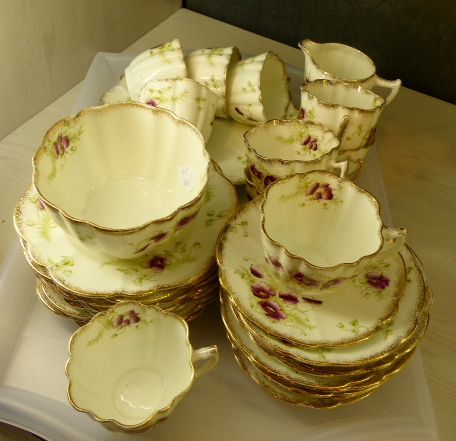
point(130, 366)
point(122, 178)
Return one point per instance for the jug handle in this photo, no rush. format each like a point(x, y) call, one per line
point(394, 85)
point(342, 166)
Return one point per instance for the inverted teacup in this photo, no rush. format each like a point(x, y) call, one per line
point(163, 61)
point(318, 230)
point(339, 62)
point(185, 97)
point(330, 102)
point(131, 365)
point(210, 67)
point(257, 89)
point(278, 149)
point(122, 178)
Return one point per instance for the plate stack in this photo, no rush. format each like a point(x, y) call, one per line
point(316, 350)
point(76, 282)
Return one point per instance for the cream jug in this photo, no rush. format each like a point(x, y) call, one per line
point(339, 62)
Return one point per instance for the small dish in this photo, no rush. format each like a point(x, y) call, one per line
point(130, 366)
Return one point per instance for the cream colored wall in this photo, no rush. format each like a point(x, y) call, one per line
point(46, 46)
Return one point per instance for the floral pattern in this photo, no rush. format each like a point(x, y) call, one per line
point(61, 146)
point(293, 305)
point(116, 323)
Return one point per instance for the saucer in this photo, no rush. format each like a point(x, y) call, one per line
point(351, 314)
point(394, 338)
point(298, 380)
point(95, 274)
point(290, 396)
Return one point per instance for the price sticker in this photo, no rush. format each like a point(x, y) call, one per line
point(185, 178)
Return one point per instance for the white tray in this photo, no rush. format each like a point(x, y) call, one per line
point(225, 404)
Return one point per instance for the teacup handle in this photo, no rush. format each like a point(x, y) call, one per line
point(393, 239)
point(394, 85)
point(206, 358)
point(342, 166)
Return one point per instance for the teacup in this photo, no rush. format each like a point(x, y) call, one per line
point(279, 149)
point(185, 97)
point(339, 62)
point(319, 230)
point(131, 365)
point(332, 102)
point(122, 178)
point(257, 89)
point(163, 61)
point(210, 67)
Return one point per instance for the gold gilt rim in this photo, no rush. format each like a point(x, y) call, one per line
point(149, 420)
point(99, 111)
point(158, 291)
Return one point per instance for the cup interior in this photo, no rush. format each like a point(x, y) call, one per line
point(120, 166)
point(322, 218)
point(290, 140)
point(132, 376)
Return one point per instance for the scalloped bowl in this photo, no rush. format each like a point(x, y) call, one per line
point(122, 177)
point(130, 366)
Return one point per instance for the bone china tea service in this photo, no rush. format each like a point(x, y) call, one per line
point(132, 227)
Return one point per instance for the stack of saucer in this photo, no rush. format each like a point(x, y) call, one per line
point(76, 282)
point(311, 349)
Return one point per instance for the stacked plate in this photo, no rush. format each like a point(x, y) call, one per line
point(316, 350)
point(76, 283)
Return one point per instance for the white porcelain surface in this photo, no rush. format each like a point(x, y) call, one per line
point(277, 305)
point(330, 102)
point(122, 177)
point(279, 149)
point(257, 89)
point(130, 366)
point(323, 230)
point(163, 61)
point(279, 332)
point(339, 62)
point(186, 98)
point(209, 66)
point(95, 274)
